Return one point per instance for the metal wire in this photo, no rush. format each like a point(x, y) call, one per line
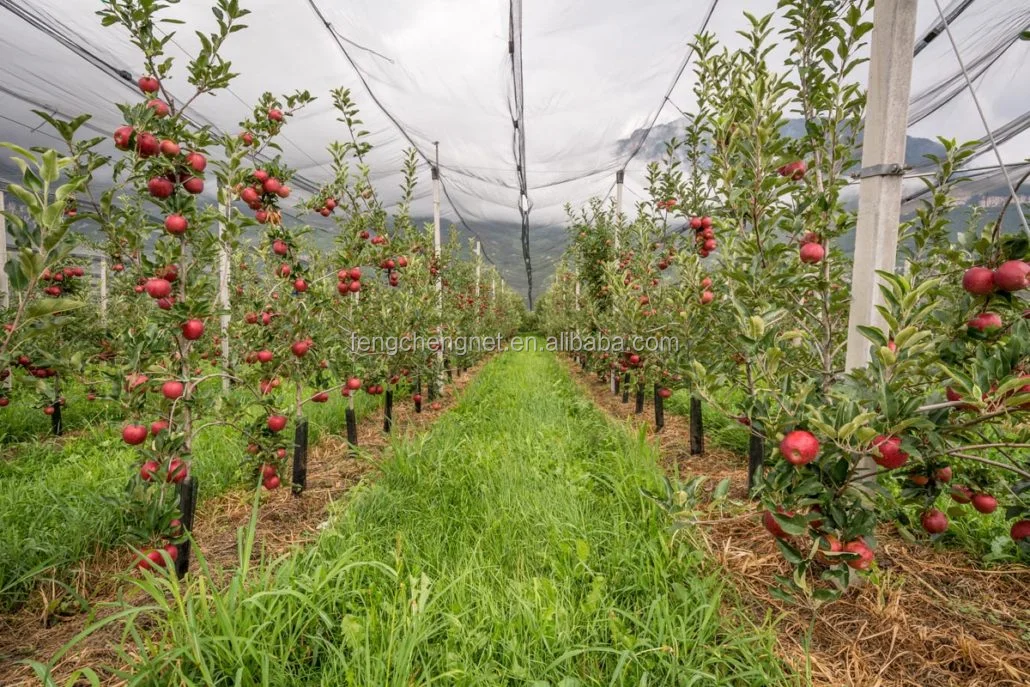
point(983, 118)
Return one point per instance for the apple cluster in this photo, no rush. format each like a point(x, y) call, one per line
point(704, 235)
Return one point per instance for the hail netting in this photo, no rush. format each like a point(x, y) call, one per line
point(589, 79)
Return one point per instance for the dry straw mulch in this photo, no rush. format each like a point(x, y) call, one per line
point(37, 630)
point(930, 616)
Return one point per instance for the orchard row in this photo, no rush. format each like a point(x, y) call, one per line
point(936, 420)
point(203, 324)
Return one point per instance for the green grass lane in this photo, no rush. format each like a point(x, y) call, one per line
point(511, 545)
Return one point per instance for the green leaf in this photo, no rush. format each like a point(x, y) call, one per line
point(50, 306)
point(792, 555)
point(721, 490)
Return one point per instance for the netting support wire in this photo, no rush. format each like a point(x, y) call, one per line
point(938, 28)
point(371, 94)
point(672, 86)
point(437, 244)
point(983, 118)
point(519, 137)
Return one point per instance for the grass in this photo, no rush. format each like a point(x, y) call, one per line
point(512, 545)
point(58, 498)
point(22, 421)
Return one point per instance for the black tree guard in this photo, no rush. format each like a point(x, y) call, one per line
point(640, 398)
point(659, 409)
point(188, 508)
point(615, 377)
point(352, 429)
point(755, 459)
point(697, 428)
point(56, 424)
point(418, 393)
point(388, 412)
point(625, 388)
point(300, 457)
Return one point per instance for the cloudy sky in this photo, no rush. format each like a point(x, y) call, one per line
point(594, 72)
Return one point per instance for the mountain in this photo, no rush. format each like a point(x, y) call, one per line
point(653, 147)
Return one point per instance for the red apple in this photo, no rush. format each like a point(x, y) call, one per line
point(978, 281)
point(1012, 276)
point(664, 393)
point(265, 356)
point(271, 185)
point(960, 493)
point(943, 475)
point(159, 107)
point(149, 84)
point(275, 115)
point(196, 161)
point(271, 483)
point(148, 470)
point(985, 503)
point(353, 384)
point(176, 224)
point(707, 297)
point(276, 423)
point(194, 185)
point(147, 145)
point(123, 137)
point(173, 389)
point(158, 288)
point(934, 521)
point(160, 187)
point(300, 348)
point(158, 426)
point(1020, 530)
point(812, 253)
point(774, 527)
point(154, 558)
point(248, 195)
point(300, 286)
point(986, 322)
point(865, 554)
point(192, 329)
point(134, 435)
point(888, 453)
point(799, 447)
point(178, 470)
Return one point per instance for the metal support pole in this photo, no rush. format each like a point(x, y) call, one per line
point(479, 267)
point(437, 243)
point(224, 274)
point(883, 157)
point(620, 178)
point(103, 289)
point(5, 286)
